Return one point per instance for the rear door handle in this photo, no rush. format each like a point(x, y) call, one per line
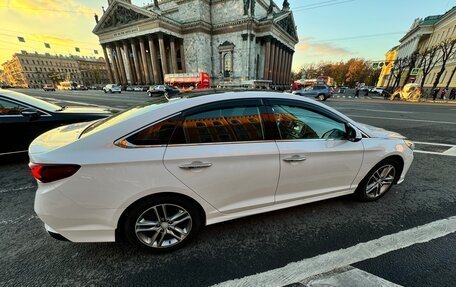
point(195, 164)
point(295, 158)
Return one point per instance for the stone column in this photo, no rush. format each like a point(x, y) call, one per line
point(154, 60)
point(285, 67)
point(272, 62)
point(290, 65)
point(108, 65)
point(144, 61)
point(128, 66)
point(182, 55)
point(173, 54)
point(267, 55)
point(121, 64)
point(276, 63)
point(114, 64)
point(164, 62)
point(279, 66)
point(136, 61)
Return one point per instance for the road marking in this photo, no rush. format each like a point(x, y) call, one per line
point(437, 144)
point(347, 276)
point(372, 110)
point(433, 152)
point(450, 152)
point(6, 190)
point(298, 271)
point(400, 119)
point(20, 219)
point(13, 152)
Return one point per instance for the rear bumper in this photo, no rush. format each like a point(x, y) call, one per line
point(65, 219)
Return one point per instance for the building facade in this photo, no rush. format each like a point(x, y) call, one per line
point(33, 70)
point(426, 33)
point(232, 40)
point(384, 79)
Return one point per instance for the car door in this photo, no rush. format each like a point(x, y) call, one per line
point(19, 129)
point(221, 151)
point(315, 158)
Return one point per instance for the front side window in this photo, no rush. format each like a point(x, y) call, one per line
point(300, 123)
point(8, 108)
point(243, 123)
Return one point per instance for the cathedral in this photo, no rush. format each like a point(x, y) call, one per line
point(231, 40)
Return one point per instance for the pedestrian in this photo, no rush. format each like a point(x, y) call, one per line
point(357, 92)
point(443, 93)
point(366, 92)
point(435, 93)
point(453, 94)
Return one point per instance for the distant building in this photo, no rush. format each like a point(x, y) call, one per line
point(232, 40)
point(33, 70)
point(425, 33)
point(384, 78)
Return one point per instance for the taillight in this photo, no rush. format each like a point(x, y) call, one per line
point(52, 172)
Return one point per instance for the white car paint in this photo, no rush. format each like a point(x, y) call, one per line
point(246, 177)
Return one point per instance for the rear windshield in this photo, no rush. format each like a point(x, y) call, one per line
point(122, 116)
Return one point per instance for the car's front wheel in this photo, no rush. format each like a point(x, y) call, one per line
point(378, 181)
point(322, 97)
point(162, 224)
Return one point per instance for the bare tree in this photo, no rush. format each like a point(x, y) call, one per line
point(412, 62)
point(446, 49)
point(427, 61)
point(398, 69)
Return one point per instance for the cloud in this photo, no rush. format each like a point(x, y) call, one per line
point(309, 46)
point(46, 7)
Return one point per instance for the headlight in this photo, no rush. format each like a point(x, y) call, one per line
point(410, 144)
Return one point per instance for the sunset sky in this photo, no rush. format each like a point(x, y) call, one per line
point(330, 30)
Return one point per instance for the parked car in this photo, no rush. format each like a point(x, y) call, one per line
point(49, 87)
point(23, 118)
point(342, 90)
point(156, 173)
point(112, 88)
point(129, 88)
point(377, 90)
point(320, 92)
point(81, 88)
point(160, 90)
point(137, 89)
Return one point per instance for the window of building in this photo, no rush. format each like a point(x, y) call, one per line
point(300, 123)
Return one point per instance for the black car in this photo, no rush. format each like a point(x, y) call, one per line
point(23, 118)
point(160, 90)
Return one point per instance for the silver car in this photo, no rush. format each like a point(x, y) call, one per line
point(320, 92)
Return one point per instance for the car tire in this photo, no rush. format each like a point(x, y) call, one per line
point(164, 232)
point(321, 97)
point(104, 91)
point(378, 180)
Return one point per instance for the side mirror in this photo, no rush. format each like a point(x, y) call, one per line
point(352, 134)
point(31, 113)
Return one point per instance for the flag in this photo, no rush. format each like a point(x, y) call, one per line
point(95, 52)
point(47, 45)
point(21, 39)
point(77, 49)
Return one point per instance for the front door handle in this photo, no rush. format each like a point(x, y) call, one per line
point(195, 164)
point(295, 158)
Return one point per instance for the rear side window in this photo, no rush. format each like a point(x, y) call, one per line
point(243, 123)
point(157, 134)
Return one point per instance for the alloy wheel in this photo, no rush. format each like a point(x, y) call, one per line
point(321, 97)
point(380, 181)
point(163, 225)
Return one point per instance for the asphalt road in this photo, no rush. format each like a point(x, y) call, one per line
point(29, 257)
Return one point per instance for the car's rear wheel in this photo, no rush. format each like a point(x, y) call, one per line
point(162, 224)
point(378, 181)
point(322, 97)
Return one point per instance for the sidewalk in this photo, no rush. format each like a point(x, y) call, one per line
point(376, 97)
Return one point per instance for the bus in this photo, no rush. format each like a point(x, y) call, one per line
point(189, 81)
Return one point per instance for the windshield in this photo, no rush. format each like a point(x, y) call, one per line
point(37, 103)
point(122, 116)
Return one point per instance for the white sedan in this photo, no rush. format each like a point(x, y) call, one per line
point(155, 174)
